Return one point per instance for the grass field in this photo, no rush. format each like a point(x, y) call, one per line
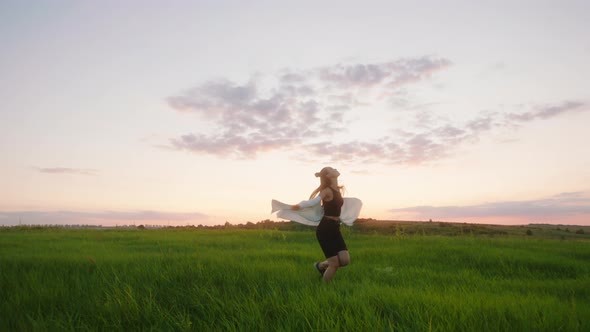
point(263, 280)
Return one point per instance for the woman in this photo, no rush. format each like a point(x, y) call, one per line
point(328, 230)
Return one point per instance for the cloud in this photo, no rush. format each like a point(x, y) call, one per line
point(300, 107)
point(561, 205)
point(97, 218)
point(309, 112)
point(244, 122)
point(546, 111)
point(391, 74)
point(65, 170)
point(410, 149)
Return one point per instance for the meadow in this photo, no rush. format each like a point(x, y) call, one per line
point(56, 279)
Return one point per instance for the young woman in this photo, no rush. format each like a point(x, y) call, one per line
point(328, 230)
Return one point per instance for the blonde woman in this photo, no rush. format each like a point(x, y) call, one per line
point(328, 230)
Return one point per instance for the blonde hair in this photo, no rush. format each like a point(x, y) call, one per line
point(325, 182)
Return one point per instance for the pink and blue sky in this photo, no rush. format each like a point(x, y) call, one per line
point(201, 112)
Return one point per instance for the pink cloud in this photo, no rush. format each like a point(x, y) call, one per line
point(65, 170)
point(547, 111)
point(558, 208)
point(304, 109)
point(394, 73)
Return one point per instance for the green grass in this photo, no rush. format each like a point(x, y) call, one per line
point(203, 280)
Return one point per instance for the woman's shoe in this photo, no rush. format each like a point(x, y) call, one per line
point(317, 267)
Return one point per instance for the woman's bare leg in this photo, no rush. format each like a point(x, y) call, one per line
point(333, 266)
point(343, 260)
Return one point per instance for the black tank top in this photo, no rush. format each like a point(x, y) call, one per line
point(333, 207)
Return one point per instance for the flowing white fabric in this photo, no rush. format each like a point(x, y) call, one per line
point(311, 202)
point(311, 216)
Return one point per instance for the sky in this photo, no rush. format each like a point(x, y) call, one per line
point(201, 112)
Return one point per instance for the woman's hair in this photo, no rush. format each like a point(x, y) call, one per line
point(325, 182)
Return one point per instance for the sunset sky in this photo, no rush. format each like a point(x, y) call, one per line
point(201, 112)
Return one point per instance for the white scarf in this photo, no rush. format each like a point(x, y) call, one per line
point(311, 216)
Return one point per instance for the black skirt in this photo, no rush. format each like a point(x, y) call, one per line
point(329, 237)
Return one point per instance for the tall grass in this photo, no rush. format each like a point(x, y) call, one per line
point(225, 280)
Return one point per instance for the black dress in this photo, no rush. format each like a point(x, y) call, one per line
point(328, 231)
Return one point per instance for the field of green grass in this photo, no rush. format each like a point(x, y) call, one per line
point(263, 280)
